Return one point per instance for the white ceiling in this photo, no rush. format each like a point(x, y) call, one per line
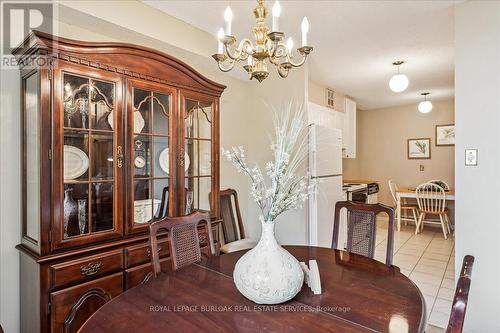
point(355, 42)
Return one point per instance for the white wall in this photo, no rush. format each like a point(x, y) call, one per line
point(477, 119)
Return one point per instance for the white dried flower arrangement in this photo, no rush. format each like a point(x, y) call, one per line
point(285, 189)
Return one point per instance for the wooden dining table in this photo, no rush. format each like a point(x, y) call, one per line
point(409, 193)
point(358, 295)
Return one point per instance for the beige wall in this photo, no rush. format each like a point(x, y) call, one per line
point(274, 92)
point(382, 147)
point(317, 94)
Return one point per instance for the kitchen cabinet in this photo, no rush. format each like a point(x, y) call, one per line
point(114, 137)
point(345, 121)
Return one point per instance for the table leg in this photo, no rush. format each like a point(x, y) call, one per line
point(398, 212)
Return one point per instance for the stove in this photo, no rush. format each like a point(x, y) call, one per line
point(364, 193)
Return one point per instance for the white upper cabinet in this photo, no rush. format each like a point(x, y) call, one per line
point(349, 129)
point(324, 116)
point(345, 121)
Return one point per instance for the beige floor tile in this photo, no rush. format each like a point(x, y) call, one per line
point(427, 288)
point(438, 249)
point(434, 329)
point(446, 293)
point(438, 319)
point(428, 260)
point(409, 257)
point(405, 264)
point(433, 270)
point(410, 251)
point(448, 283)
point(429, 303)
point(442, 305)
point(405, 271)
point(432, 262)
point(436, 256)
point(427, 278)
point(449, 274)
point(441, 241)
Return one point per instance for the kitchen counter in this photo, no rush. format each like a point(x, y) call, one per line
point(357, 181)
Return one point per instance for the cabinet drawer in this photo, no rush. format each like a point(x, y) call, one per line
point(140, 274)
point(87, 268)
point(141, 253)
point(72, 306)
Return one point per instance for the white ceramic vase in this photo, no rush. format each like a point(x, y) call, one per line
point(268, 274)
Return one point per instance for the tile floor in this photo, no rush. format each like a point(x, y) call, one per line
point(429, 261)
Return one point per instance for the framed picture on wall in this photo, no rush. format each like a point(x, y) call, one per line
point(419, 149)
point(445, 135)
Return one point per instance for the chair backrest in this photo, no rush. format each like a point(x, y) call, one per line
point(362, 228)
point(393, 187)
point(457, 316)
point(163, 209)
point(232, 226)
point(431, 198)
point(441, 183)
point(183, 240)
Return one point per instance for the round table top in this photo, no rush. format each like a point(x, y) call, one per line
point(358, 295)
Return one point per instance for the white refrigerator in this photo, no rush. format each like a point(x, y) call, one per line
point(325, 165)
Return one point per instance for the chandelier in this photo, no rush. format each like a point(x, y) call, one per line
point(270, 46)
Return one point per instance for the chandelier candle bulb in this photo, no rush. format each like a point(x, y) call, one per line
point(228, 17)
point(305, 29)
point(250, 60)
point(220, 47)
point(276, 15)
point(289, 44)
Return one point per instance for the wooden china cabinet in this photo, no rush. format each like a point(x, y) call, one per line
point(114, 136)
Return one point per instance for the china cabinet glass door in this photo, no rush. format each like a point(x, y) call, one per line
point(150, 120)
point(197, 153)
point(90, 155)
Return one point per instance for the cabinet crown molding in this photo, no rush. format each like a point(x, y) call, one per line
point(128, 59)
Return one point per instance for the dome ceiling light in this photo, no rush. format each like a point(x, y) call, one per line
point(425, 106)
point(399, 82)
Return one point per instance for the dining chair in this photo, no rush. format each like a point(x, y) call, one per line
point(183, 240)
point(233, 230)
point(163, 209)
point(404, 205)
point(459, 305)
point(431, 199)
point(362, 228)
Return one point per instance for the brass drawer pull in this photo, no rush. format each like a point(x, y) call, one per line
point(91, 268)
point(148, 251)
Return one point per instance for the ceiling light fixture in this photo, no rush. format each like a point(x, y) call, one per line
point(425, 106)
point(270, 46)
point(399, 82)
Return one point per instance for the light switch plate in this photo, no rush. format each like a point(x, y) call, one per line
point(471, 157)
